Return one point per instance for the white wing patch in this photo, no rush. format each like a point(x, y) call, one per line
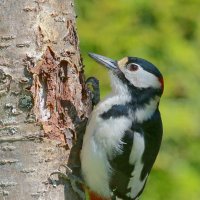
point(135, 184)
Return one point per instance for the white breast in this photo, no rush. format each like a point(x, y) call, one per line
point(100, 142)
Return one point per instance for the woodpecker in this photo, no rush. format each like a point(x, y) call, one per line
point(124, 132)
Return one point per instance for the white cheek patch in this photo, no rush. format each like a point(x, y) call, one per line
point(142, 78)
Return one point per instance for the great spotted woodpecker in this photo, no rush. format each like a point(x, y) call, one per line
point(124, 132)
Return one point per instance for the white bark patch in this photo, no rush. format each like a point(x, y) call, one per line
point(44, 111)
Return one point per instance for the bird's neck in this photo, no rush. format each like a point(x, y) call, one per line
point(142, 103)
point(142, 97)
point(133, 95)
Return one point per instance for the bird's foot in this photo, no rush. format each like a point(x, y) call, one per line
point(92, 85)
point(75, 181)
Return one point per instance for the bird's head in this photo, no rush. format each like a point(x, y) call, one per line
point(136, 73)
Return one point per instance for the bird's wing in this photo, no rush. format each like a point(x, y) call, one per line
point(140, 147)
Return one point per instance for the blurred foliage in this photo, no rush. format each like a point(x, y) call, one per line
point(167, 33)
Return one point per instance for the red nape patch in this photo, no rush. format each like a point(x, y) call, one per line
point(94, 196)
point(161, 80)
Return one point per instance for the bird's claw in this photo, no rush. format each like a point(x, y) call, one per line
point(68, 176)
point(92, 85)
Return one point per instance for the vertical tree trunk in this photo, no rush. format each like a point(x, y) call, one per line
point(42, 93)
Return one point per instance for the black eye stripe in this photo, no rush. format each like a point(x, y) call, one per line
point(132, 67)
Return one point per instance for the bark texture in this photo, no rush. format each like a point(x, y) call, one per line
point(43, 102)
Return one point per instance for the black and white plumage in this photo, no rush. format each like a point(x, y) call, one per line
point(124, 132)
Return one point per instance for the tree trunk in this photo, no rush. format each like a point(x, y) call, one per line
point(44, 104)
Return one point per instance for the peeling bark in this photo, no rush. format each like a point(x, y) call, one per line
point(44, 104)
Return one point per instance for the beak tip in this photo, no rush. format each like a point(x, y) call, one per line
point(92, 55)
point(109, 63)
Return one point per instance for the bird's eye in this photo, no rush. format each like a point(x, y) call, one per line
point(132, 67)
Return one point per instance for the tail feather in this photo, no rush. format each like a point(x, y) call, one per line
point(94, 196)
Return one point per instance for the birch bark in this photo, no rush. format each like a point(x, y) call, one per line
point(43, 101)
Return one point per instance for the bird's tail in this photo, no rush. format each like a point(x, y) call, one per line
point(94, 196)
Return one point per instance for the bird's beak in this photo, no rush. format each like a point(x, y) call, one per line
point(109, 63)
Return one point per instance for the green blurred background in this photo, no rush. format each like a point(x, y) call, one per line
point(167, 33)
